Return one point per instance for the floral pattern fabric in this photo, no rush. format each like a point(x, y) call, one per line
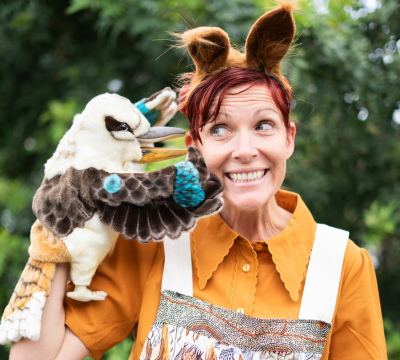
point(187, 328)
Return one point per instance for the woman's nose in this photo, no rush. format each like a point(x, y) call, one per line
point(245, 149)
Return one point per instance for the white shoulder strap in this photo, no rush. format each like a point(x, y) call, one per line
point(177, 274)
point(323, 275)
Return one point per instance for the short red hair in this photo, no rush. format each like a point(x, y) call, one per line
point(197, 105)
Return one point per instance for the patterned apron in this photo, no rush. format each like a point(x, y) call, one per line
point(187, 328)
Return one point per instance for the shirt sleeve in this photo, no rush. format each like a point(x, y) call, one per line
point(357, 331)
point(100, 325)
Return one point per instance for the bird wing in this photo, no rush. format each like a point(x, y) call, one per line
point(161, 203)
point(138, 205)
point(62, 203)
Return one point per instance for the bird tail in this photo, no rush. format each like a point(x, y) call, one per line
point(23, 314)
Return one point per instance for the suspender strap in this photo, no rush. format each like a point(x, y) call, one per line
point(177, 274)
point(323, 275)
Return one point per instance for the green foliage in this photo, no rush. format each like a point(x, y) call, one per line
point(392, 339)
point(344, 69)
point(380, 221)
point(58, 117)
point(121, 351)
point(13, 257)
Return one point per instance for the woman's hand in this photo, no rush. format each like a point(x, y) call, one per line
point(56, 340)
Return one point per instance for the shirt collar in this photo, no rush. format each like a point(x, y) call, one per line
point(290, 249)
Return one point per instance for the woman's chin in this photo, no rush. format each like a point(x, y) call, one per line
point(245, 202)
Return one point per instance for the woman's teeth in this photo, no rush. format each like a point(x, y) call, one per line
point(246, 177)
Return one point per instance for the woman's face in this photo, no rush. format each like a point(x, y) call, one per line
point(247, 147)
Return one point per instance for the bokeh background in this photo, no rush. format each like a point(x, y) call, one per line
point(345, 69)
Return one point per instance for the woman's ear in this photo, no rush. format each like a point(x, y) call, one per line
point(269, 39)
point(189, 140)
point(290, 136)
point(208, 47)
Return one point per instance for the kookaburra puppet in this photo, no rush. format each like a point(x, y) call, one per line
point(94, 188)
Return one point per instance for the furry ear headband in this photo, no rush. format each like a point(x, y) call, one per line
point(268, 42)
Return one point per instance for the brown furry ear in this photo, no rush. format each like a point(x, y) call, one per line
point(208, 47)
point(269, 39)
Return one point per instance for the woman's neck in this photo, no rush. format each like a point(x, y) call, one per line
point(257, 225)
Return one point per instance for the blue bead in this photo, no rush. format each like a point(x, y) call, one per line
point(112, 184)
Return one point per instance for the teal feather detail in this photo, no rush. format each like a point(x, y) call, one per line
point(142, 107)
point(112, 184)
point(187, 188)
point(153, 116)
point(150, 114)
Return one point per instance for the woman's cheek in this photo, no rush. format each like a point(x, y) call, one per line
point(275, 154)
point(279, 170)
point(213, 160)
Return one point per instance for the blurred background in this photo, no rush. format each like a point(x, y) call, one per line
point(345, 70)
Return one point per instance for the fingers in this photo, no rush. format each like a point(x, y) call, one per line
point(152, 97)
point(167, 114)
point(99, 295)
point(82, 293)
point(167, 99)
point(161, 101)
point(164, 103)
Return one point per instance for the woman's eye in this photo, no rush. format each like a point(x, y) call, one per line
point(218, 131)
point(264, 126)
point(124, 127)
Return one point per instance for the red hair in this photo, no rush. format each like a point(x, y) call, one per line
point(197, 105)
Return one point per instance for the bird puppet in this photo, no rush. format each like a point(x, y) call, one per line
point(94, 188)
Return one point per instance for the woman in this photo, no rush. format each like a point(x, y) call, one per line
point(245, 266)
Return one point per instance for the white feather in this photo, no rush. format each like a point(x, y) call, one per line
point(89, 144)
point(25, 322)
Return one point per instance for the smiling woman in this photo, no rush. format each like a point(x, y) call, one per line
point(259, 281)
point(239, 119)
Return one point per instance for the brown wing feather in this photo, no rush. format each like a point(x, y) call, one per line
point(161, 217)
point(143, 206)
point(137, 188)
point(58, 203)
point(67, 201)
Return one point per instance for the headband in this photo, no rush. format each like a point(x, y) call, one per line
point(267, 43)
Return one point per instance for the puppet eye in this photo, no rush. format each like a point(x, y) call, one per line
point(124, 127)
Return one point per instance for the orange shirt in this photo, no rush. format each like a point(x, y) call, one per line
point(263, 279)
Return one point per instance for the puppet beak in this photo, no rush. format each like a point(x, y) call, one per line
point(152, 154)
point(159, 133)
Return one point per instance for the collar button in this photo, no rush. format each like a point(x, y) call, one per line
point(258, 247)
point(246, 267)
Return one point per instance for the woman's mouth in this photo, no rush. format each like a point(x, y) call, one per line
point(246, 177)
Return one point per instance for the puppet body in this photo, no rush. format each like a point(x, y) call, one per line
point(94, 188)
point(87, 255)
